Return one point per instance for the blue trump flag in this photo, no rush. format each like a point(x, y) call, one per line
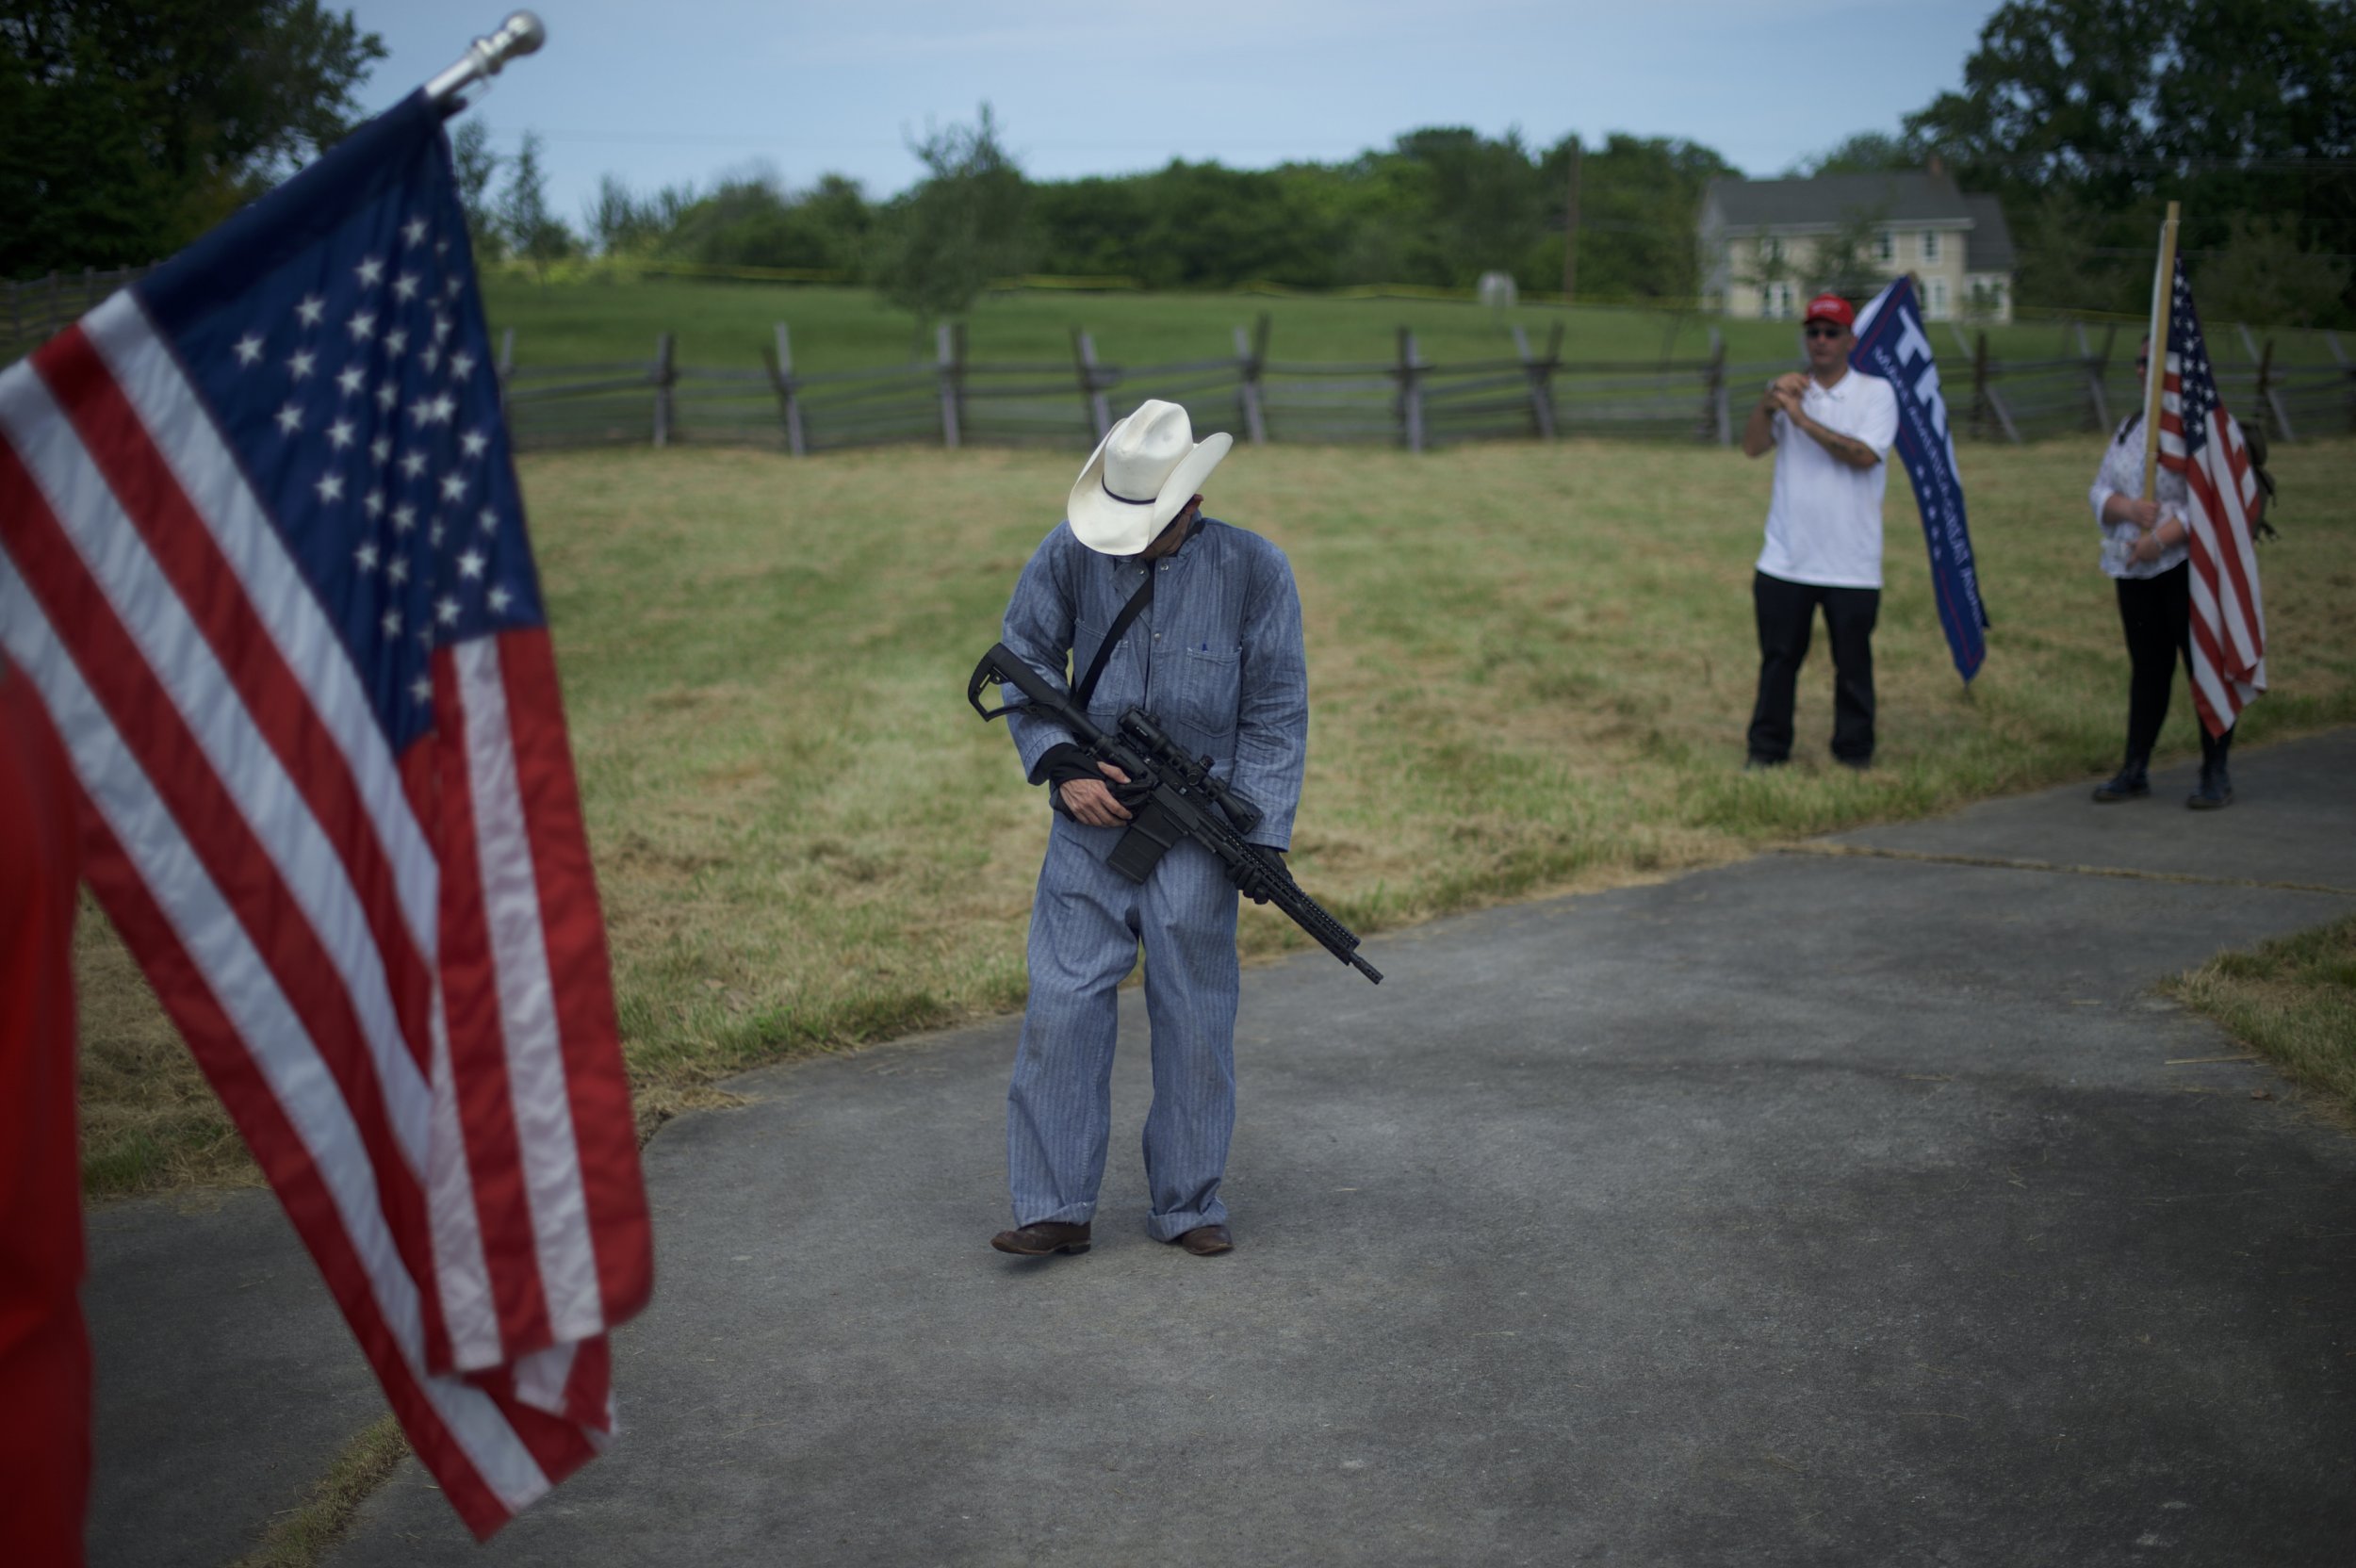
point(1891, 344)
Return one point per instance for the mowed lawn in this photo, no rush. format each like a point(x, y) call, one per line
point(1530, 669)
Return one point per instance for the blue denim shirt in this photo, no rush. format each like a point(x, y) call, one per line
point(1217, 659)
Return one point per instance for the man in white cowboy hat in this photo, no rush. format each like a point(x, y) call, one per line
point(1199, 624)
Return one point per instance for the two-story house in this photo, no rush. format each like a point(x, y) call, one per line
point(1765, 243)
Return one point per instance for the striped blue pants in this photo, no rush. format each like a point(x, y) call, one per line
point(1086, 926)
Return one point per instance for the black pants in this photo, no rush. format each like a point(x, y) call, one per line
point(2156, 614)
point(1787, 615)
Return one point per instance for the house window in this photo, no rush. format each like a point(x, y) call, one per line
point(1930, 245)
point(1939, 296)
point(1886, 245)
point(1783, 292)
point(1771, 249)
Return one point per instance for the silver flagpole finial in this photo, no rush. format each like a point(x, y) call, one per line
point(520, 34)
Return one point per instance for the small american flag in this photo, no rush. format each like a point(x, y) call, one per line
point(2199, 440)
point(262, 556)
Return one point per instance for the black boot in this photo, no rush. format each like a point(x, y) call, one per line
point(2216, 786)
point(2130, 784)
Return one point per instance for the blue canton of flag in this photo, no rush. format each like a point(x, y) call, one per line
point(2188, 356)
point(350, 371)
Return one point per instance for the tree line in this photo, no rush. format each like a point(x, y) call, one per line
point(133, 125)
point(1440, 207)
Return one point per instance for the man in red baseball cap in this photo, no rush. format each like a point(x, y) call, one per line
point(1829, 427)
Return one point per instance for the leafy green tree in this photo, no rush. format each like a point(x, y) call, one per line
point(2057, 91)
point(966, 223)
point(1208, 226)
point(1441, 205)
point(2073, 253)
point(751, 220)
point(2262, 273)
point(131, 126)
point(612, 220)
point(531, 229)
point(1485, 203)
point(1092, 227)
point(475, 166)
point(836, 214)
point(1638, 199)
point(739, 222)
point(2107, 109)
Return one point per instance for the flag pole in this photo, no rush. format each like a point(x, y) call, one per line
point(2155, 370)
point(520, 34)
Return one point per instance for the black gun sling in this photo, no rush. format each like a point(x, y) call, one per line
point(1086, 687)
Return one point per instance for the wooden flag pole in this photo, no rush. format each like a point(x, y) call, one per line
point(2155, 370)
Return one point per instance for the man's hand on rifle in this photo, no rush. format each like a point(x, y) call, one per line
point(1089, 802)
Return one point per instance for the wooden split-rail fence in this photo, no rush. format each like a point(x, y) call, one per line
point(1404, 400)
point(956, 400)
point(2095, 386)
point(34, 310)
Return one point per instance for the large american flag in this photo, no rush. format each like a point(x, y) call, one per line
point(2202, 441)
point(262, 556)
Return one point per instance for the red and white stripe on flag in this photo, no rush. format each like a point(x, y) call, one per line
point(392, 968)
point(2229, 668)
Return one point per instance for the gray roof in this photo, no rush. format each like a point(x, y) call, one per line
point(1990, 248)
point(1834, 199)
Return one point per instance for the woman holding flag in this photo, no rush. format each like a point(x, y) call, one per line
point(2145, 552)
point(2184, 559)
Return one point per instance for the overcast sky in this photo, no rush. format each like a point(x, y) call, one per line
point(682, 91)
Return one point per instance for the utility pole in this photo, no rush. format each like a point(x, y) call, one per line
point(1570, 228)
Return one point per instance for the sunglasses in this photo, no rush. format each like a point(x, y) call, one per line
point(1826, 332)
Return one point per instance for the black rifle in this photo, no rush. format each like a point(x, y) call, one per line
point(1178, 799)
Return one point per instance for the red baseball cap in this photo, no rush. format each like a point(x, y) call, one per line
point(1832, 307)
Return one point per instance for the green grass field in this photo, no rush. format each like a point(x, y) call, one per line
point(725, 324)
point(1530, 670)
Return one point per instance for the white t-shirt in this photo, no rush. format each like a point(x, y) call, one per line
point(1824, 519)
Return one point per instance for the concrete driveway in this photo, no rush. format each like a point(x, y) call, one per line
point(1857, 1204)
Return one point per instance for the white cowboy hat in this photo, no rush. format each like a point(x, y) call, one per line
point(1141, 476)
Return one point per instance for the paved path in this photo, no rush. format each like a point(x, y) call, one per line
point(1838, 1206)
